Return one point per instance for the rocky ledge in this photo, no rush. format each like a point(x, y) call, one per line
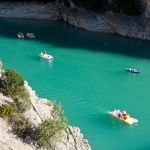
point(40, 110)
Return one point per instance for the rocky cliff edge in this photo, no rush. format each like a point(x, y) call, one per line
point(40, 110)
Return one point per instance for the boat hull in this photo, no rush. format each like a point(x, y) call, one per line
point(132, 71)
point(20, 36)
point(119, 119)
point(30, 36)
point(45, 56)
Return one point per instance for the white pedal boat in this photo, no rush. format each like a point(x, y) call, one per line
point(30, 35)
point(20, 35)
point(122, 116)
point(45, 56)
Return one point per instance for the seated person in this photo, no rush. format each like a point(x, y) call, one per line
point(124, 112)
point(129, 68)
point(133, 69)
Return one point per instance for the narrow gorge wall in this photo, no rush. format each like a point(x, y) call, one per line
point(109, 22)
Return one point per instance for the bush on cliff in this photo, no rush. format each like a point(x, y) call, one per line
point(5, 110)
point(21, 125)
point(13, 86)
point(50, 131)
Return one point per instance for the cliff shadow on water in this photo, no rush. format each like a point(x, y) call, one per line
point(60, 34)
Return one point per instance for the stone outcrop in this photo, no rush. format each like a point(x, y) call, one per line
point(41, 109)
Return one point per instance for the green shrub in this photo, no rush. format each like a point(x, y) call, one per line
point(50, 130)
point(5, 110)
point(21, 125)
point(13, 85)
point(23, 128)
point(21, 105)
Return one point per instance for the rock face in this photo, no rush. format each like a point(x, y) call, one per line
point(41, 109)
point(29, 10)
point(109, 22)
point(146, 4)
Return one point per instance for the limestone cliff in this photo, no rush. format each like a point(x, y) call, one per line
point(72, 138)
point(109, 22)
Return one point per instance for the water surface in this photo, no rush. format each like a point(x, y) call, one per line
point(86, 76)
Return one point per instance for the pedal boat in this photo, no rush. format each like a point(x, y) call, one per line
point(127, 119)
point(45, 56)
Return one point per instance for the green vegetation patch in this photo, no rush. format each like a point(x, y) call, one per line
point(5, 110)
point(50, 130)
point(13, 85)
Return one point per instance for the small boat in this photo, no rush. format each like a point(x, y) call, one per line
point(20, 35)
point(132, 70)
point(44, 55)
point(122, 116)
point(30, 35)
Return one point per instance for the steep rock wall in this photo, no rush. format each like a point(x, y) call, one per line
point(109, 22)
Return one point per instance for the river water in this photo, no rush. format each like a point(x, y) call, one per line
point(86, 76)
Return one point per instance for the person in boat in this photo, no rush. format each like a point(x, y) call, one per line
point(133, 69)
point(119, 115)
point(129, 68)
point(44, 52)
point(125, 115)
point(20, 33)
point(124, 112)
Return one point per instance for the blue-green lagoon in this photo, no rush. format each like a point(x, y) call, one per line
point(86, 76)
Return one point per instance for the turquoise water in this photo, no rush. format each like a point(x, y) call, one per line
point(86, 76)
